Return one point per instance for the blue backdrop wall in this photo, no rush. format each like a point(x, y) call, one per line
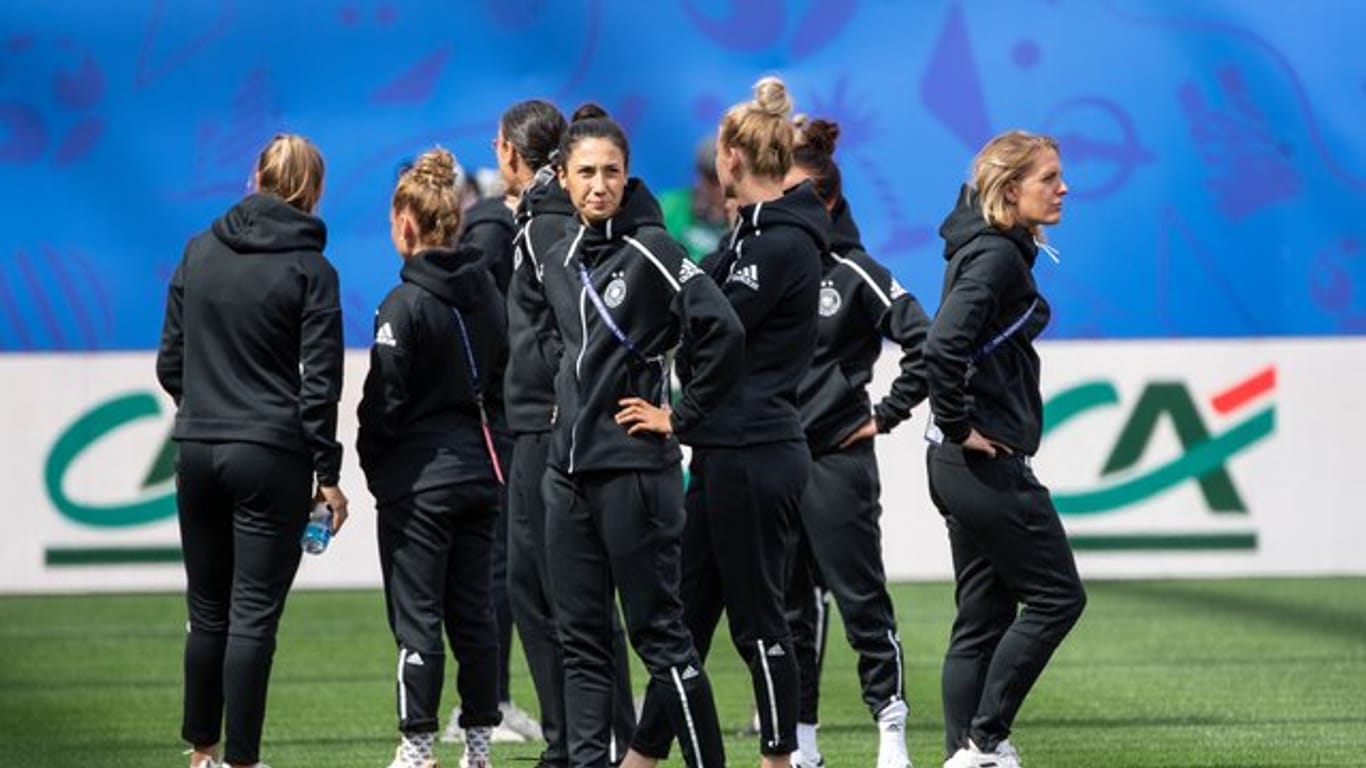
point(1214, 149)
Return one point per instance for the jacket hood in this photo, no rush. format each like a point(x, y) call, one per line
point(546, 197)
point(492, 211)
point(262, 223)
point(844, 234)
point(454, 275)
point(639, 208)
point(965, 222)
point(798, 207)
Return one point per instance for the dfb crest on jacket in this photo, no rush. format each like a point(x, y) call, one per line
point(616, 291)
point(830, 299)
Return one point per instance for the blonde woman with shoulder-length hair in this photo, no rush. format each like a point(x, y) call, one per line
point(251, 351)
point(1018, 592)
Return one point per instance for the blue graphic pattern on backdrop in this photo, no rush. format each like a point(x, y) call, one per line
point(1212, 148)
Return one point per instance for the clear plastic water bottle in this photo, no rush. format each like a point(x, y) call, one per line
point(318, 532)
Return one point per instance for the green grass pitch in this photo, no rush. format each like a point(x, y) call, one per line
point(1258, 672)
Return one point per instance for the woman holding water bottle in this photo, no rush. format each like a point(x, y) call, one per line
point(251, 352)
point(428, 457)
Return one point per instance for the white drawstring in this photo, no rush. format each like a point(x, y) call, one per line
point(1053, 253)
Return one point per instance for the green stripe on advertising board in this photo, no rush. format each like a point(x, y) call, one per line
point(76, 556)
point(1164, 542)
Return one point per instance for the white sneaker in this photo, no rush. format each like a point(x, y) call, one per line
point(1004, 756)
point(453, 734)
point(400, 763)
point(891, 758)
point(517, 725)
point(891, 735)
point(800, 760)
point(751, 728)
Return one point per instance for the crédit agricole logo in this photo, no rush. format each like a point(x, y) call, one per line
point(154, 502)
point(1243, 419)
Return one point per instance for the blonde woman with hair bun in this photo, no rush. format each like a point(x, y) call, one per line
point(429, 460)
point(750, 459)
point(1017, 589)
point(251, 352)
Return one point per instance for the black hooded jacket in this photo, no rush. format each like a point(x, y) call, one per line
point(251, 348)
point(861, 304)
point(988, 288)
point(533, 337)
point(489, 226)
point(419, 414)
point(770, 271)
point(651, 291)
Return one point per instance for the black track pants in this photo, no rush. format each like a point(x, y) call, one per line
point(1009, 549)
point(502, 599)
point(242, 508)
point(808, 616)
point(840, 516)
point(434, 549)
point(622, 529)
point(529, 596)
point(742, 509)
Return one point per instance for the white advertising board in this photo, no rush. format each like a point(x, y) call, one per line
point(1166, 458)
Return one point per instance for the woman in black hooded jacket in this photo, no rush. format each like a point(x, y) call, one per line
point(1009, 546)
point(841, 539)
point(428, 454)
point(251, 352)
point(624, 294)
point(529, 134)
point(750, 460)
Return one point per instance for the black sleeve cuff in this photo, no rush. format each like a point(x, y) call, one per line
point(886, 419)
point(955, 431)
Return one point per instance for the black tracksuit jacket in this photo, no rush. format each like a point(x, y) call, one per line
point(651, 290)
point(533, 337)
point(770, 271)
point(988, 286)
point(419, 414)
point(489, 226)
point(251, 349)
point(861, 304)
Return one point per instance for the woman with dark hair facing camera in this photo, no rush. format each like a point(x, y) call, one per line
point(624, 294)
point(528, 141)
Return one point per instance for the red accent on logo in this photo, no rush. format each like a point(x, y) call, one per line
point(1244, 392)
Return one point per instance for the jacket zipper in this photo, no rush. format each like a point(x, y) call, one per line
point(578, 368)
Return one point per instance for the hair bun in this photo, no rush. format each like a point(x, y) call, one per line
point(771, 97)
point(819, 135)
point(436, 167)
point(588, 111)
